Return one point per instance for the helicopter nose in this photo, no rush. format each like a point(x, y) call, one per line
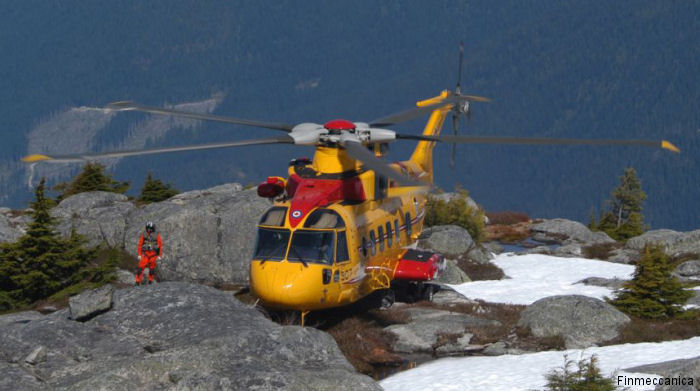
point(283, 284)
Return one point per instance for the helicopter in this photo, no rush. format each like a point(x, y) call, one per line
point(342, 224)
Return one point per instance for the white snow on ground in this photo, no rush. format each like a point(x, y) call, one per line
point(527, 371)
point(535, 276)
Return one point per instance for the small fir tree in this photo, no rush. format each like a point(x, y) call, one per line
point(623, 219)
point(91, 178)
point(154, 190)
point(653, 292)
point(40, 263)
point(586, 378)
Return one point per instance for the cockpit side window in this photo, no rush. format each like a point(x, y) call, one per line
point(341, 247)
point(324, 219)
point(274, 217)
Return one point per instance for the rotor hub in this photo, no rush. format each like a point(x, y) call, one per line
point(337, 125)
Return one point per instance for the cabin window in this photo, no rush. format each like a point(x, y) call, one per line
point(312, 247)
point(397, 229)
point(372, 242)
point(389, 234)
point(408, 226)
point(274, 217)
point(380, 233)
point(365, 247)
point(324, 219)
point(271, 244)
point(341, 247)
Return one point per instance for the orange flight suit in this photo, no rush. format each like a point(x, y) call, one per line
point(150, 249)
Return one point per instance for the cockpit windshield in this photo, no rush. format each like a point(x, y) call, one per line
point(272, 243)
point(312, 246)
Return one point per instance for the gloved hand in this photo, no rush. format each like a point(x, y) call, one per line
point(158, 259)
point(139, 257)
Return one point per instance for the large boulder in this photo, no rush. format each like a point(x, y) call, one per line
point(559, 231)
point(672, 242)
point(450, 240)
point(452, 274)
point(688, 271)
point(581, 320)
point(208, 235)
point(171, 336)
point(100, 216)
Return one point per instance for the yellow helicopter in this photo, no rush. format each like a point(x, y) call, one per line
point(342, 224)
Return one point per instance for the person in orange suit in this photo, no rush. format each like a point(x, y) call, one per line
point(150, 250)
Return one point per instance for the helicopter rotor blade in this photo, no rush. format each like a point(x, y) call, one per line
point(539, 141)
point(458, 90)
point(407, 115)
point(283, 139)
point(453, 146)
point(131, 106)
point(358, 151)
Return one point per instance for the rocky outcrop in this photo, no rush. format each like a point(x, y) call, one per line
point(582, 321)
point(672, 242)
point(562, 231)
point(454, 242)
point(170, 336)
point(452, 274)
point(612, 283)
point(91, 303)
point(687, 368)
point(436, 331)
point(208, 234)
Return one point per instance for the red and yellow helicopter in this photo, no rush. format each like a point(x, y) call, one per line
point(342, 224)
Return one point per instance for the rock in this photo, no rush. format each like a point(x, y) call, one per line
point(479, 255)
point(688, 271)
point(493, 247)
point(447, 296)
point(175, 335)
point(459, 346)
point(612, 283)
point(568, 250)
point(19, 318)
point(452, 274)
point(127, 277)
point(673, 242)
point(559, 231)
point(427, 325)
point(582, 321)
point(91, 303)
point(8, 231)
point(694, 300)
point(100, 216)
point(623, 255)
point(208, 236)
point(449, 240)
point(687, 368)
point(36, 356)
point(500, 348)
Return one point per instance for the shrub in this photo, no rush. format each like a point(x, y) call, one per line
point(154, 190)
point(91, 178)
point(456, 212)
point(586, 378)
point(507, 217)
point(623, 219)
point(653, 292)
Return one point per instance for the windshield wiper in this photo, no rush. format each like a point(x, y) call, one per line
point(291, 248)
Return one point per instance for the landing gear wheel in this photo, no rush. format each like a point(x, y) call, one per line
point(388, 299)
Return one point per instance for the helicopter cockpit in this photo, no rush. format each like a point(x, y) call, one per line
point(322, 239)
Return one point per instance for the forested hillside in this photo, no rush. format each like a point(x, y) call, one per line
point(623, 69)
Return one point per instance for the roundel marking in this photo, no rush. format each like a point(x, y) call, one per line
point(296, 214)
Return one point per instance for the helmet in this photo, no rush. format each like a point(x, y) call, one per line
point(150, 227)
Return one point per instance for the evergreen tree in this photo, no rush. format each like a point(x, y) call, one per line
point(41, 262)
point(586, 378)
point(91, 178)
point(154, 190)
point(623, 218)
point(653, 292)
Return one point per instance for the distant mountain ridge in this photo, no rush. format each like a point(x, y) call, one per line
point(625, 69)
